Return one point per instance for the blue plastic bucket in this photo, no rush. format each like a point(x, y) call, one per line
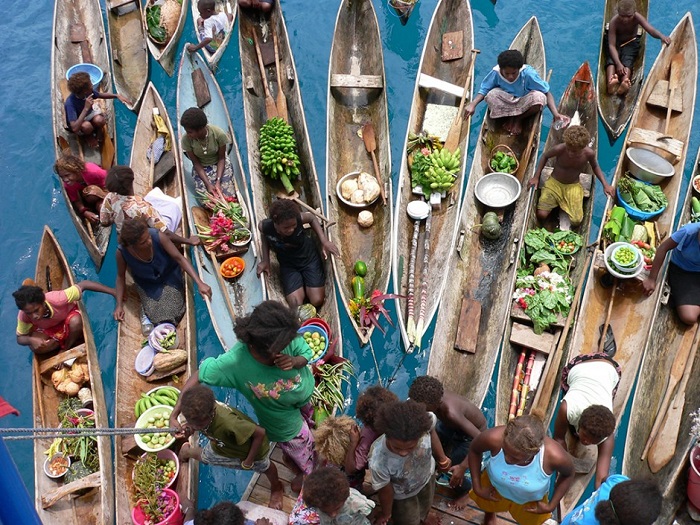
point(95, 72)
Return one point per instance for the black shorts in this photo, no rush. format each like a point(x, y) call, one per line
point(685, 286)
point(627, 53)
point(309, 275)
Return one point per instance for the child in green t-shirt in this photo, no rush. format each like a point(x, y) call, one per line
point(235, 441)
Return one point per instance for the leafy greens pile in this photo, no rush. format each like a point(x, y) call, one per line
point(644, 197)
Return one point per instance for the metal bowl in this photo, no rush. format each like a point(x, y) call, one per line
point(648, 166)
point(339, 185)
point(497, 190)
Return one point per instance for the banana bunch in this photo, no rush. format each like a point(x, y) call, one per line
point(165, 395)
point(278, 150)
point(442, 172)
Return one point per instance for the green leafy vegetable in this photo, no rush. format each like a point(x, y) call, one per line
point(155, 30)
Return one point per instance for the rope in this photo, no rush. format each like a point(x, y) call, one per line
point(376, 363)
point(52, 433)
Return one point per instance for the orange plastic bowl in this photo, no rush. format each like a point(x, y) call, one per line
point(232, 267)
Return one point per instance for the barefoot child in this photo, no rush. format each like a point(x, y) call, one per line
point(301, 267)
point(589, 383)
point(459, 421)
point(514, 91)
point(619, 501)
point(367, 410)
point(235, 441)
point(84, 183)
point(402, 465)
point(563, 189)
point(518, 475)
point(211, 27)
point(81, 118)
point(622, 44)
point(327, 499)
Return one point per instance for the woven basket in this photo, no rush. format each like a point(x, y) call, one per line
point(169, 17)
point(505, 149)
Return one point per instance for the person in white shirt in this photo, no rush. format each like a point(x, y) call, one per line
point(211, 27)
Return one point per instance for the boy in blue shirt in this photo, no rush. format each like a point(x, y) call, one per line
point(514, 91)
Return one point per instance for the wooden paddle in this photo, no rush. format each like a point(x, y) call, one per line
point(370, 141)
point(295, 197)
point(455, 133)
point(281, 99)
point(677, 369)
point(674, 79)
point(525, 159)
point(270, 107)
point(107, 151)
point(606, 323)
point(78, 35)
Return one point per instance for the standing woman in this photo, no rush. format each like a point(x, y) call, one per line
point(683, 271)
point(156, 266)
point(205, 145)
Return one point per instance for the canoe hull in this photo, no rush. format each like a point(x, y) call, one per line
point(165, 54)
point(226, 6)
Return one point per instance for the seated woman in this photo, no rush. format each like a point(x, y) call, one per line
point(513, 92)
point(160, 211)
point(84, 183)
point(683, 271)
point(301, 267)
point(205, 145)
point(156, 266)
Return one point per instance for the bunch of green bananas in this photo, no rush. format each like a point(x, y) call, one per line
point(166, 395)
point(442, 173)
point(278, 152)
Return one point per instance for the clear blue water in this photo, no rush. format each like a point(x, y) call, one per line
point(571, 33)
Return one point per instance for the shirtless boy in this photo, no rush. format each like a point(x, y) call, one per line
point(623, 45)
point(563, 189)
point(459, 420)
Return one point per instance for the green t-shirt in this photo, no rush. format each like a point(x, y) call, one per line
point(207, 149)
point(276, 395)
point(230, 434)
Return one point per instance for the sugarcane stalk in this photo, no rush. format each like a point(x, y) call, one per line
point(410, 301)
point(526, 383)
point(516, 382)
point(420, 328)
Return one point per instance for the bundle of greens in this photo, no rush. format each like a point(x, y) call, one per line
point(644, 197)
point(620, 226)
point(540, 248)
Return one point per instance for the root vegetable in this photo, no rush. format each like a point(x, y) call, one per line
point(365, 219)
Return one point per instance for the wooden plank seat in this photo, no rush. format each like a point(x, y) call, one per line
point(357, 81)
point(660, 96)
point(428, 82)
point(673, 147)
point(523, 335)
point(115, 6)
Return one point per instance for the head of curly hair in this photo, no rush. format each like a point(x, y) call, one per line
point(598, 422)
point(325, 488)
point(633, 502)
point(370, 403)
point(332, 438)
point(69, 163)
point(224, 513)
point(282, 210)
point(404, 420)
point(268, 329)
point(576, 137)
point(120, 179)
point(198, 405)
point(80, 83)
point(525, 433)
point(511, 58)
point(427, 390)
point(626, 7)
point(193, 119)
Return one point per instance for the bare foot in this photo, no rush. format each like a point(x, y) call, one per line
point(297, 482)
point(431, 519)
point(276, 497)
point(625, 86)
point(460, 503)
point(613, 84)
point(490, 518)
point(91, 141)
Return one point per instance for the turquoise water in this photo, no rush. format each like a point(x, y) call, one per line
point(571, 33)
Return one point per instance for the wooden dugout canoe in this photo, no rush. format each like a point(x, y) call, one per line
point(230, 298)
point(484, 276)
point(616, 111)
point(129, 53)
point(226, 6)
point(357, 51)
point(668, 335)
point(165, 54)
point(129, 384)
point(65, 54)
point(97, 506)
point(578, 96)
point(449, 16)
point(633, 313)
point(264, 190)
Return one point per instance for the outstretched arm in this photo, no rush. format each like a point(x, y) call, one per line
point(665, 247)
point(95, 287)
point(327, 246)
point(558, 461)
point(593, 161)
point(120, 287)
point(651, 29)
point(172, 251)
point(605, 452)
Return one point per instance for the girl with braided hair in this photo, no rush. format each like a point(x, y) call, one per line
point(268, 366)
point(517, 477)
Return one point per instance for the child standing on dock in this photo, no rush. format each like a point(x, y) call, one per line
point(518, 474)
point(301, 267)
point(622, 43)
point(459, 421)
point(235, 441)
point(211, 27)
point(563, 189)
point(402, 465)
point(513, 92)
